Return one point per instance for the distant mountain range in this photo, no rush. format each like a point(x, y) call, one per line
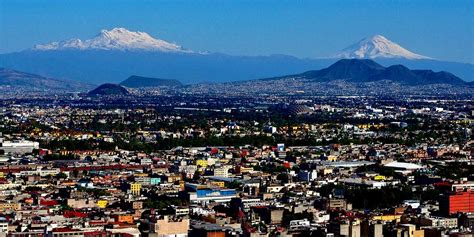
point(347, 77)
point(118, 53)
point(141, 82)
point(13, 80)
point(366, 70)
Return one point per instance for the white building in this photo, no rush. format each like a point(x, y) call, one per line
point(40, 171)
point(3, 226)
point(403, 166)
point(412, 203)
point(18, 147)
point(299, 224)
point(221, 171)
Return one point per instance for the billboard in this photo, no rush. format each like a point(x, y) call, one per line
point(281, 147)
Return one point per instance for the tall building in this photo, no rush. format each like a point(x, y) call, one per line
point(371, 229)
point(345, 228)
point(135, 188)
point(307, 175)
point(455, 202)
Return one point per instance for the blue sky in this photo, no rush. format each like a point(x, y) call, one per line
point(439, 29)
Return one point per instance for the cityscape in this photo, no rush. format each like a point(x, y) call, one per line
point(125, 134)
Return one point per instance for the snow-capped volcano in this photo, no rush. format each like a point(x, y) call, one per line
point(377, 46)
point(115, 39)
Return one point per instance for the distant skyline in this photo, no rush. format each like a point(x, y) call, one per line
point(307, 29)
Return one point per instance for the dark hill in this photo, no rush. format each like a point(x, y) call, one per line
point(398, 73)
point(138, 82)
point(351, 69)
point(109, 89)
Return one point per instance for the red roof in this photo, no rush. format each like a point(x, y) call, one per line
point(64, 229)
point(71, 214)
point(48, 202)
point(442, 184)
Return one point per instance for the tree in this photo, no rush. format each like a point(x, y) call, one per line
point(283, 177)
point(75, 173)
point(61, 175)
point(196, 176)
point(234, 185)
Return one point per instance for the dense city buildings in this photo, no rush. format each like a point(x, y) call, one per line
point(236, 118)
point(268, 166)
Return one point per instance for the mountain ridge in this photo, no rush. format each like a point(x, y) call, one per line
point(359, 77)
point(18, 80)
point(367, 70)
point(190, 67)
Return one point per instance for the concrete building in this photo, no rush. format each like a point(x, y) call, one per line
point(345, 228)
point(371, 229)
point(66, 232)
point(3, 227)
point(455, 202)
point(167, 227)
point(18, 147)
point(221, 171)
point(296, 225)
point(12, 206)
point(335, 203)
point(409, 230)
point(439, 222)
point(135, 188)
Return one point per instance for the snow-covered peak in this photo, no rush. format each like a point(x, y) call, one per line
point(377, 46)
point(115, 39)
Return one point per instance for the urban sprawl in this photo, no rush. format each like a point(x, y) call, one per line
point(222, 166)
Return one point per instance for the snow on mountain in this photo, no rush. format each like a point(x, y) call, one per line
point(115, 39)
point(377, 46)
